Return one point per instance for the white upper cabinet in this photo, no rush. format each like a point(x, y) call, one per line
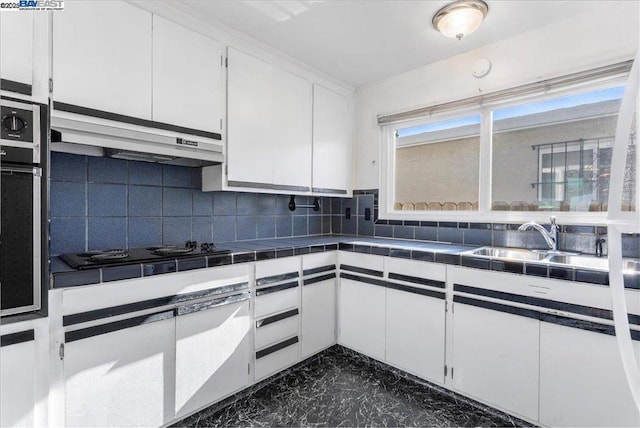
point(292, 125)
point(102, 57)
point(269, 126)
point(283, 132)
point(186, 77)
point(331, 142)
point(249, 124)
point(115, 57)
point(16, 43)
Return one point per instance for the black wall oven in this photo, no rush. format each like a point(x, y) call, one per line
point(22, 258)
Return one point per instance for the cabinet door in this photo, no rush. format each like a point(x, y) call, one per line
point(121, 378)
point(361, 317)
point(415, 317)
point(16, 46)
point(582, 381)
point(269, 126)
point(102, 57)
point(17, 368)
point(495, 358)
point(186, 77)
point(318, 316)
point(292, 131)
point(331, 142)
point(319, 301)
point(250, 120)
point(212, 355)
point(415, 334)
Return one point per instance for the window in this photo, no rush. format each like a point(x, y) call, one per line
point(436, 166)
point(514, 155)
point(555, 154)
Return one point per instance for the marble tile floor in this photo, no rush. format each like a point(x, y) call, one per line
point(341, 388)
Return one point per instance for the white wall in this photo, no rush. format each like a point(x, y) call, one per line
point(587, 41)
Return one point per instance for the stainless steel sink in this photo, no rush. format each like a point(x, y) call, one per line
point(631, 266)
point(509, 254)
point(589, 262)
point(565, 259)
point(597, 263)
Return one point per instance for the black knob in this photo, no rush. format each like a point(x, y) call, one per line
point(207, 247)
point(13, 123)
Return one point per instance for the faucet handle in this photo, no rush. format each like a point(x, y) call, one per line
point(601, 240)
point(552, 219)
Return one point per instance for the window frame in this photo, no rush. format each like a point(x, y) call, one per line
point(484, 214)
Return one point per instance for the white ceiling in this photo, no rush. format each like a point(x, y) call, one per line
point(363, 41)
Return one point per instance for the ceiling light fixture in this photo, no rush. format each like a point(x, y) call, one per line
point(460, 18)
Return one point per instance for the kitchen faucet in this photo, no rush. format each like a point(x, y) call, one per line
point(550, 237)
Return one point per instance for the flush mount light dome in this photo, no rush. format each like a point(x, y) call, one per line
point(461, 18)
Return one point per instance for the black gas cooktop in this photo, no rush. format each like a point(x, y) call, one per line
point(117, 257)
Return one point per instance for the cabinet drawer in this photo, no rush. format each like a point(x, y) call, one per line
point(276, 300)
point(277, 328)
point(311, 261)
point(269, 270)
point(422, 273)
point(361, 263)
point(276, 357)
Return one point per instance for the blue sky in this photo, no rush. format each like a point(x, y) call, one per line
point(615, 93)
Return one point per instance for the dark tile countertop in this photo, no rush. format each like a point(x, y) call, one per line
point(249, 251)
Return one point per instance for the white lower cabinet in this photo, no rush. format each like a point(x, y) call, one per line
point(362, 298)
point(582, 381)
point(394, 310)
point(123, 377)
point(145, 352)
point(499, 340)
point(318, 302)
point(362, 312)
point(415, 318)
point(213, 351)
point(276, 358)
point(17, 369)
point(277, 315)
point(495, 358)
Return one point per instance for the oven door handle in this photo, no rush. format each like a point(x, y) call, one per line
point(37, 172)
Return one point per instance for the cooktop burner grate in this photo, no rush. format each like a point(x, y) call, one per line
point(103, 257)
point(100, 252)
point(170, 251)
point(118, 257)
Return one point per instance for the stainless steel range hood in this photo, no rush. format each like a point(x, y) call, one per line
point(75, 133)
